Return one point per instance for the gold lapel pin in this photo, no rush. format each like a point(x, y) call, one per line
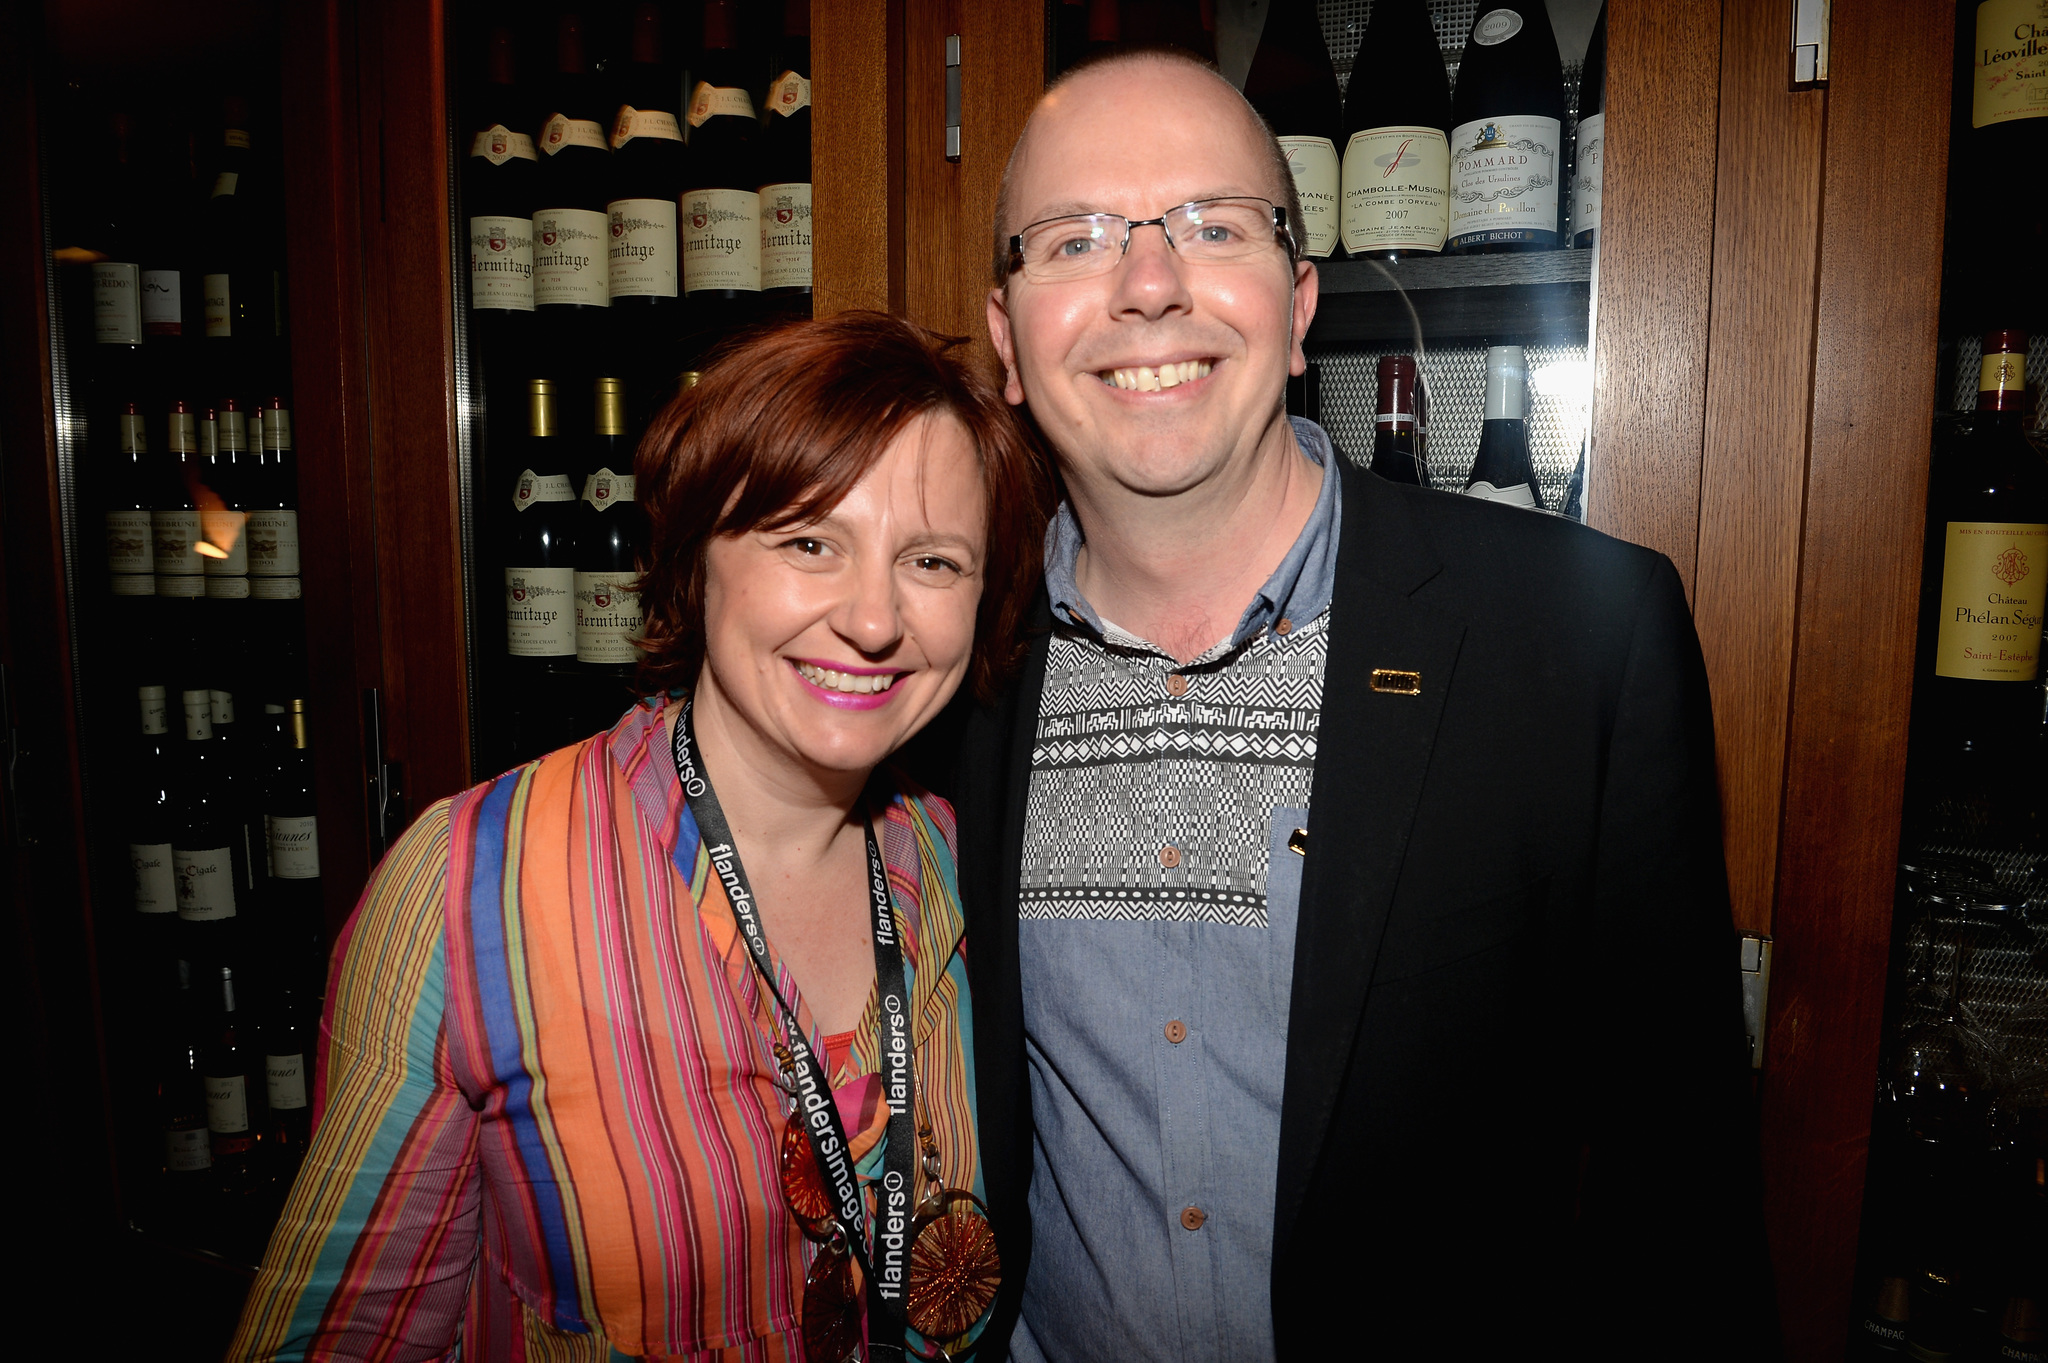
point(1297, 842)
point(1395, 682)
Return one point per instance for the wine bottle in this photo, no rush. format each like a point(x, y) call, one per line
point(117, 277)
point(131, 537)
point(226, 1074)
point(608, 536)
point(1294, 87)
point(540, 570)
point(223, 540)
point(786, 162)
point(291, 833)
point(149, 834)
point(286, 1080)
point(272, 507)
point(2022, 1334)
point(500, 186)
point(570, 227)
point(1397, 153)
point(1984, 579)
point(1592, 134)
point(209, 847)
point(1884, 1324)
point(174, 514)
point(166, 251)
point(233, 249)
point(1170, 23)
point(722, 207)
point(647, 174)
point(2001, 213)
point(1105, 27)
point(181, 1104)
point(1503, 472)
point(1070, 33)
point(1506, 120)
point(1394, 453)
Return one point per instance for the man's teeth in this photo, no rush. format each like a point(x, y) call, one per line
point(1150, 379)
point(853, 683)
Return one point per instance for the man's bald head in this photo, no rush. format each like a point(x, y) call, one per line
point(1072, 92)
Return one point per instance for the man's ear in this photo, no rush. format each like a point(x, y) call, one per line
point(1006, 345)
point(1307, 290)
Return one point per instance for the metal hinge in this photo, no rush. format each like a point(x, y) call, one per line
point(952, 96)
point(1811, 20)
point(1756, 989)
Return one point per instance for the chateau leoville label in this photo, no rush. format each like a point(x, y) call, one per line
point(2011, 61)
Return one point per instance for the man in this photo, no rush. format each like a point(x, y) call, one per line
point(1348, 926)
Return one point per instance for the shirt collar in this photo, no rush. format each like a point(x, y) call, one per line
point(1298, 590)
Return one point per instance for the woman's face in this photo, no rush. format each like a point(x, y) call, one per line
point(837, 640)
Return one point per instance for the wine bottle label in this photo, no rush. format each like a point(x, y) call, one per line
point(227, 1104)
point(788, 93)
point(273, 543)
point(2011, 61)
point(277, 428)
point(116, 303)
point(1395, 419)
point(643, 248)
point(608, 615)
point(501, 263)
point(234, 137)
point(173, 537)
point(1999, 373)
point(220, 706)
point(569, 257)
point(226, 531)
point(274, 588)
point(1518, 495)
point(1313, 162)
point(183, 429)
point(234, 432)
point(786, 236)
point(559, 132)
point(220, 319)
point(131, 543)
point(1504, 180)
point(1994, 584)
point(187, 1152)
point(206, 884)
point(1397, 190)
point(632, 123)
point(134, 435)
point(156, 885)
point(189, 585)
point(1586, 185)
point(721, 239)
point(132, 584)
point(499, 144)
point(605, 489)
point(284, 1080)
point(225, 184)
point(198, 707)
point(708, 101)
point(541, 487)
point(294, 843)
point(156, 709)
point(226, 588)
point(1497, 27)
point(163, 306)
point(540, 621)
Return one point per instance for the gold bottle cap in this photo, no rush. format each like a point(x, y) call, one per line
point(611, 407)
point(689, 378)
point(540, 406)
point(298, 724)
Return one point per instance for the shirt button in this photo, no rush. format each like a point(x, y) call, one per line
point(1176, 1031)
point(1176, 685)
point(1193, 1217)
point(1169, 857)
point(1283, 626)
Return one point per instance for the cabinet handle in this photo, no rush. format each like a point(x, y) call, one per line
point(952, 97)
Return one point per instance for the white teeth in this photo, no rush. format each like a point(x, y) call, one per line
point(852, 683)
point(1147, 378)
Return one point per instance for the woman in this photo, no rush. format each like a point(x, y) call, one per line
point(626, 1045)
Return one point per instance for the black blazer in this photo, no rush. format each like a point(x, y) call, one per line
point(1517, 1103)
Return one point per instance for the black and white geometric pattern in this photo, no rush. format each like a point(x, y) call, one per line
point(1123, 769)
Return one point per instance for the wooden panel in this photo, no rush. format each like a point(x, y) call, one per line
point(1656, 266)
point(1759, 377)
point(853, 154)
point(1873, 400)
point(935, 216)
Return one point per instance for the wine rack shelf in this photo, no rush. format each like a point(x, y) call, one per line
point(1535, 298)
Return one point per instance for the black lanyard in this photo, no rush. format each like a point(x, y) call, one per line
point(887, 1268)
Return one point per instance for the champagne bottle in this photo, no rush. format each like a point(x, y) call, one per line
point(1294, 87)
point(1395, 454)
point(131, 537)
point(609, 534)
point(223, 522)
point(1591, 137)
point(1503, 472)
point(722, 207)
point(1397, 155)
point(291, 834)
point(118, 233)
point(540, 572)
point(226, 1075)
point(1884, 1324)
point(2022, 1334)
point(647, 174)
point(174, 514)
point(287, 1080)
point(786, 160)
point(1507, 115)
point(570, 226)
point(500, 186)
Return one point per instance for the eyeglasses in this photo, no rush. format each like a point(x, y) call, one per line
point(1205, 232)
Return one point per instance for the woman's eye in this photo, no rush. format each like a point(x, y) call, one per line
point(932, 563)
point(809, 547)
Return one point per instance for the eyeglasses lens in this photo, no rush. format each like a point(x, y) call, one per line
point(1092, 243)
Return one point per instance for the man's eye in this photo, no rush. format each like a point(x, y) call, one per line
point(1076, 246)
point(1215, 234)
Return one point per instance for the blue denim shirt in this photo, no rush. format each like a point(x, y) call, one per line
point(1156, 926)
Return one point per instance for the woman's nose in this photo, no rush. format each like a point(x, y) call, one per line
point(870, 616)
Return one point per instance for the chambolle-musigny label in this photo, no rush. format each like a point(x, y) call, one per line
point(608, 616)
point(1994, 584)
point(540, 615)
point(721, 239)
point(1397, 190)
point(642, 249)
point(786, 236)
point(116, 303)
point(501, 263)
point(2011, 60)
point(206, 884)
point(294, 846)
point(156, 887)
point(284, 1080)
point(1317, 176)
point(569, 261)
point(1503, 179)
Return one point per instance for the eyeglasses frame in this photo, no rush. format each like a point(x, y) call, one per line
point(1283, 232)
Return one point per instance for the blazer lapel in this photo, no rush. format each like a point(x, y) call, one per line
point(1372, 752)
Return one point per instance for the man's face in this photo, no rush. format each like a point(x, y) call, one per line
point(1138, 140)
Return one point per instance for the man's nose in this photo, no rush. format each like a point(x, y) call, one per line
point(1149, 278)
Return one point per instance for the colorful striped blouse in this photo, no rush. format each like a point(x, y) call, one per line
point(547, 1122)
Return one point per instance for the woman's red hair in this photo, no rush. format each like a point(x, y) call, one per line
point(784, 422)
